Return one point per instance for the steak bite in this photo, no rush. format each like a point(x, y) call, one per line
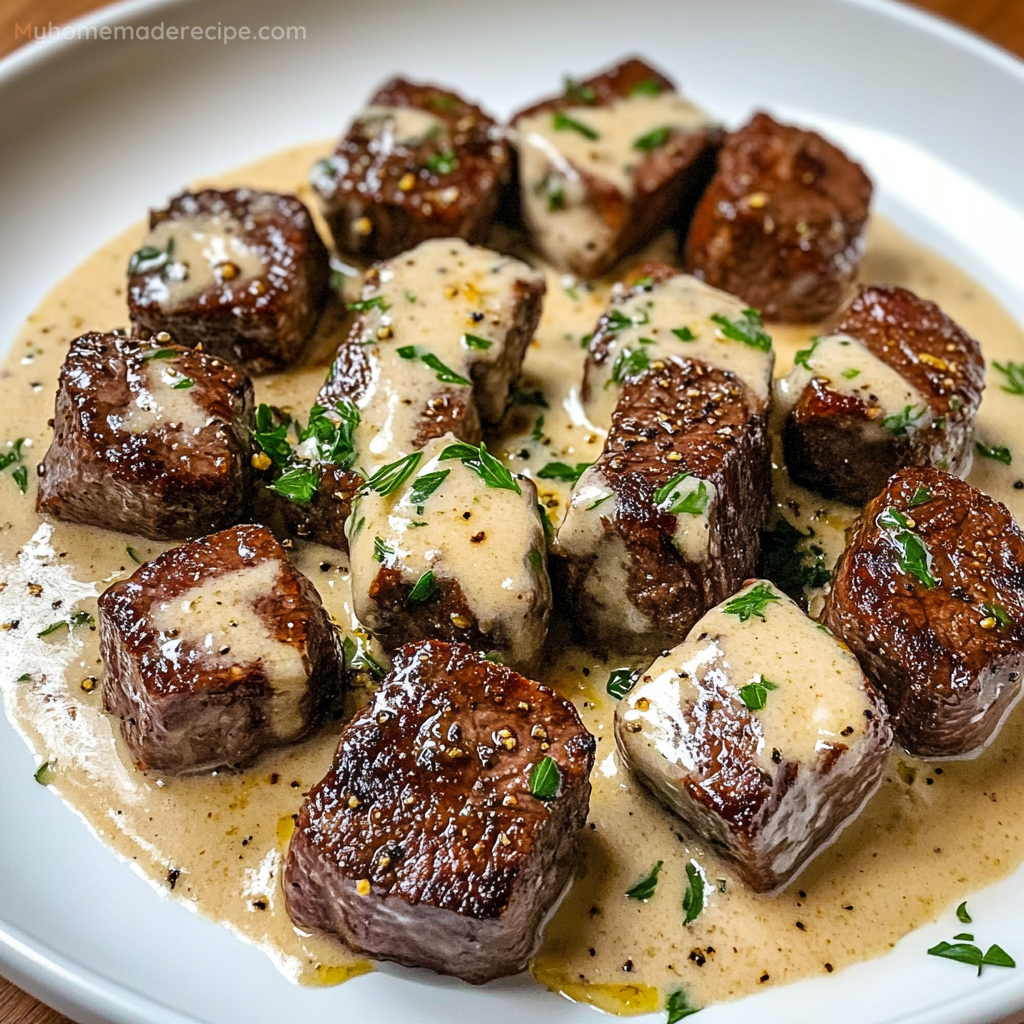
point(761, 732)
point(665, 315)
point(436, 346)
point(666, 523)
point(929, 596)
point(781, 224)
point(446, 828)
point(448, 544)
point(214, 651)
point(149, 438)
point(609, 164)
point(899, 384)
point(242, 273)
point(418, 162)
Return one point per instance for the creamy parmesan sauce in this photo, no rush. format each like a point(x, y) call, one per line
point(932, 835)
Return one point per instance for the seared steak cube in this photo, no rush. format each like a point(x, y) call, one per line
point(929, 596)
point(666, 523)
point(437, 343)
point(242, 273)
point(782, 221)
point(898, 384)
point(454, 551)
point(609, 164)
point(214, 651)
point(666, 315)
point(446, 828)
point(419, 162)
point(760, 731)
point(149, 438)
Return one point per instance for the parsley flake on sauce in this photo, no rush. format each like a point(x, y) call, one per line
point(484, 464)
point(747, 328)
point(643, 890)
point(562, 122)
point(693, 897)
point(752, 603)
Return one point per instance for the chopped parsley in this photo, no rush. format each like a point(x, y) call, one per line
point(44, 774)
point(644, 889)
point(616, 320)
point(364, 305)
point(564, 472)
point(20, 476)
point(159, 353)
point(381, 550)
point(445, 374)
point(579, 93)
point(747, 329)
point(424, 486)
point(693, 897)
point(423, 589)
point(968, 953)
point(851, 372)
point(443, 103)
point(390, 477)
point(545, 522)
point(684, 334)
point(752, 603)
point(998, 613)
point(475, 341)
point(562, 122)
point(755, 694)
point(25, 677)
point(184, 384)
point(920, 496)
point(536, 560)
point(14, 455)
point(442, 163)
point(961, 914)
point(545, 779)
point(678, 1006)
point(537, 434)
point(78, 619)
point(902, 423)
point(553, 186)
point(803, 357)
point(132, 555)
point(793, 564)
point(653, 139)
point(629, 363)
point(359, 659)
point(484, 464)
point(621, 681)
point(598, 502)
point(914, 557)
point(297, 484)
point(150, 258)
point(676, 499)
point(1014, 374)
point(999, 454)
point(646, 87)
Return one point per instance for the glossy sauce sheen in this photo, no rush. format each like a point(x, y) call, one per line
point(932, 835)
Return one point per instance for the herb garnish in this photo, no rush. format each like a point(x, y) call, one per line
point(747, 328)
point(44, 774)
point(132, 555)
point(755, 694)
point(183, 384)
point(81, 618)
point(653, 139)
point(693, 897)
point(530, 398)
point(790, 562)
point(901, 423)
point(803, 357)
point(159, 353)
point(621, 681)
point(998, 613)
point(1014, 374)
point(644, 889)
point(14, 455)
point(920, 496)
point(679, 1007)
point(537, 434)
point(754, 602)
point(671, 497)
point(562, 122)
point(647, 87)
point(999, 454)
point(483, 463)
point(445, 374)
point(851, 372)
point(598, 502)
point(545, 779)
point(553, 186)
point(442, 163)
point(629, 363)
point(148, 258)
point(423, 589)
point(914, 556)
point(545, 522)
point(357, 658)
point(390, 477)
point(618, 321)
point(475, 341)
point(20, 477)
point(564, 472)
point(580, 93)
point(298, 484)
point(381, 550)
point(961, 914)
point(424, 486)
point(363, 305)
point(684, 334)
point(968, 953)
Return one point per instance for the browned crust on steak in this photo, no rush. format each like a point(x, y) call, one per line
point(262, 325)
point(715, 429)
point(190, 711)
point(428, 802)
point(369, 211)
point(947, 678)
point(826, 446)
point(781, 223)
point(668, 181)
point(139, 482)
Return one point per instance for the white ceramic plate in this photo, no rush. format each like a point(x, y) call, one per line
point(93, 133)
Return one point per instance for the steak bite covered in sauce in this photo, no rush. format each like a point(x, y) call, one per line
point(447, 543)
point(242, 273)
point(437, 343)
point(149, 438)
point(447, 826)
point(666, 523)
point(898, 384)
point(609, 164)
point(781, 224)
point(760, 731)
point(214, 651)
point(929, 595)
point(418, 162)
